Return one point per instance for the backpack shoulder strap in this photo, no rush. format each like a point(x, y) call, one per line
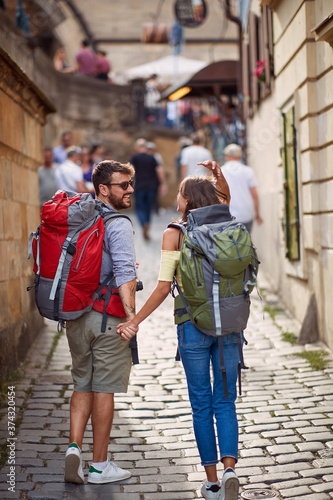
point(181, 226)
point(109, 217)
point(178, 225)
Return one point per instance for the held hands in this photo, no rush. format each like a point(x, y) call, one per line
point(127, 330)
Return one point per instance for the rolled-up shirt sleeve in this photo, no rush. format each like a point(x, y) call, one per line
point(120, 245)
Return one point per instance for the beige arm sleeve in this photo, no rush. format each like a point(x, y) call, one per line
point(168, 266)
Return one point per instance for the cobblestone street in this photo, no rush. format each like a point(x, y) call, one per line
point(285, 412)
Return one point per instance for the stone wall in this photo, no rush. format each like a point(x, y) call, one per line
point(23, 113)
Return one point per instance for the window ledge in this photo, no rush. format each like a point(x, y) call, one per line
point(270, 3)
point(324, 30)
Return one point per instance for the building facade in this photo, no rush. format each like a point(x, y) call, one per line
point(288, 88)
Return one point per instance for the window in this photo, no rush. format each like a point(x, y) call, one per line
point(257, 48)
point(291, 204)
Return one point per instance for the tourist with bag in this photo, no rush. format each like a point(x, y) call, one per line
point(85, 266)
point(199, 350)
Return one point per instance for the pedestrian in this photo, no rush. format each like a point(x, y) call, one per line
point(46, 177)
point(87, 169)
point(69, 175)
point(147, 177)
point(101, 362)
point(102, 66)
point(59, 61)
point(244, 204)
point(161, 188)
point(191, 159)
point(59, 152)
point(198, 351)
point(85, 60)
point(151, 100)
point(183, 143)
point(97, 153)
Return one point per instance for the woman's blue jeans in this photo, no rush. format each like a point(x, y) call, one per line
point(197, 351)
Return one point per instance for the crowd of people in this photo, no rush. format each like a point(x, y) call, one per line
point(69, 168)
point(87, 62)
point(101, 361)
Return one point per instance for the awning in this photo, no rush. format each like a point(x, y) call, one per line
point(219, 78)
point(169, 69)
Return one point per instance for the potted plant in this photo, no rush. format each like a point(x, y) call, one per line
point(260, 71)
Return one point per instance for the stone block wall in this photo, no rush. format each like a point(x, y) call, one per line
point(22, 118)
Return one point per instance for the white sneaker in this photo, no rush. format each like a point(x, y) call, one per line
point(211, 493)
point(110, 474)
point(73, 466)
point(230, 485)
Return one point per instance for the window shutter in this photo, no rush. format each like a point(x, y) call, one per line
point(253, 45)
point(292, 226)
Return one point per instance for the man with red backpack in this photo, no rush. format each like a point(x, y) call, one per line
point(101, 362)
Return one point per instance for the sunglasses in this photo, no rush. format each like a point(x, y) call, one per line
point(124, 185)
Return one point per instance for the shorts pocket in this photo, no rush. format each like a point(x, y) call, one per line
point(189, 336)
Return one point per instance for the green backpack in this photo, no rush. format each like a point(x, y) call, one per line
point(218, 267)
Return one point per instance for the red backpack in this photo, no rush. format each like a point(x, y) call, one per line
point(67, 249)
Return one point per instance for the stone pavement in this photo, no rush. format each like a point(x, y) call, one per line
point(285, 413)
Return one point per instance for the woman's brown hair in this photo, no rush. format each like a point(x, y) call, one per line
point(200, 192)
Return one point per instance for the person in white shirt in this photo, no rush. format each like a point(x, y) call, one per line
point(59, 152)
point(46, 177)
point(69, 175)
point(191, 156)
point(244, 202)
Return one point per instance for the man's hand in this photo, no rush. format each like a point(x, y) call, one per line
point(259, 220)
point(127, 330)
point(162, 189)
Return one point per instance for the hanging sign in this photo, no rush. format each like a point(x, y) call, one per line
point(191, 13)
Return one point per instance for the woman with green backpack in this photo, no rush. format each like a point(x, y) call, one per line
point(199, 351)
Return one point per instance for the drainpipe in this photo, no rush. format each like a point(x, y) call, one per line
point(82, 22)
point(236, 20)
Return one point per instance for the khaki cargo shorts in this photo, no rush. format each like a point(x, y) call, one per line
point(101, 362)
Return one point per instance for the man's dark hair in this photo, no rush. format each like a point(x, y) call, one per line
point(102, 173)
point(85, 43)
point(67, 132)
point(94, 147)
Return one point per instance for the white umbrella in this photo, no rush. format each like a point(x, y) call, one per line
point(168, 69)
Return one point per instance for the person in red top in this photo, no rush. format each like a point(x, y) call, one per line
point(102, 66)
point(85, 60)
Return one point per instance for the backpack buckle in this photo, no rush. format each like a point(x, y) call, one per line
point(216, 278)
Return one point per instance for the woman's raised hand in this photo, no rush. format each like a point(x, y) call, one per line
point(212, 166)
point(220, 179)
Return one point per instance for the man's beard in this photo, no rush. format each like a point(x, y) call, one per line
point(119, 203)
